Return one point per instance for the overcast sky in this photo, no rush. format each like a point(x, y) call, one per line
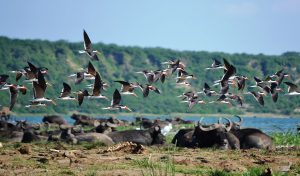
point(232, 26)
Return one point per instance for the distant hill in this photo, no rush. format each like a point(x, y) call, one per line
point(121, 63)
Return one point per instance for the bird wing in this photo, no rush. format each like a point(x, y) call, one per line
point(116, 98)
point(222, 97)
point(156, 90)
point(292, 87)
point(279, 72)
point(38, 90)
point(206, 86)
point(123, 83)
point(98, 86)
point(94, 56)
point(146, 91)
point(13, 96)
point(226, 64)
point(257, 79)
point(216, 63)
point(91, 69)
point(275, 97)
point(239, 100)
point(259, 98)
point(230, 72)
point(163, 78)
point(41, 81)
point(66, 91)
point(87, 42)
point(18, 76)
point(3, 78)
point(32, 67)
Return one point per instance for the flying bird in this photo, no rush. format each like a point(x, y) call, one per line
point(39, 88)
point(98, 87)
point(65, 93)
point(14, 92)
point(293, 89)
point(215, 65)
point(146, 89)
point(258, 97)
point(115, 103)
point(88, 49)
point(127, 88)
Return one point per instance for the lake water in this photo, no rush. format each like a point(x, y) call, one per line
point(268, 124)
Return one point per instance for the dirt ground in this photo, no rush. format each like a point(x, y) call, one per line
point(129, 159)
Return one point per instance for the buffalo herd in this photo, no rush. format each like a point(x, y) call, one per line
point(224, 134)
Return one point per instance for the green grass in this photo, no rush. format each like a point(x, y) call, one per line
point(165, 167)
point(286, 138)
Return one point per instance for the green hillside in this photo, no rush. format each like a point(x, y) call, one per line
point(121, 63)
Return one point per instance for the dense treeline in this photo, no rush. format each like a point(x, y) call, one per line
point(121, 63)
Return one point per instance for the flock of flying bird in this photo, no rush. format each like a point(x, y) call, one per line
point(230, 79)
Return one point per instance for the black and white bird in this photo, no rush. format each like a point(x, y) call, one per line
point(259, 97)
point(146, 89)
point(215, 65)
point(14, 92)
point(97, 89)
point(115, 103)
point(66, 92)
point(88, 49)
point(293, 89)
point(127, 88)
point(39, 88)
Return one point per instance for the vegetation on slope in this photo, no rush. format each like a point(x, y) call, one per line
point(121, 63)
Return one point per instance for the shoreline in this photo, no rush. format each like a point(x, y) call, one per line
point(172, 115)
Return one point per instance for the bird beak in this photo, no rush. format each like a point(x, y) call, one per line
point(53, 102)
point(128, 109)
point(49, 84)
point(98, 52)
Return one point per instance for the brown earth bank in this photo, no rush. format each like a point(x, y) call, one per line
point(129, 159)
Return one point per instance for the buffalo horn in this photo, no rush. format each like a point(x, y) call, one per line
point(230, 124)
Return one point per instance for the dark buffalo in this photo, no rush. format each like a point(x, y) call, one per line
point(105, 128)
point(215, 135)
point(30, 135)
point(12, 132)
point(184, 138)
point(95, 137)
point(178, 120)
point(147, 137)
point(84, 120)
point(54, 119)
point(251, 137)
